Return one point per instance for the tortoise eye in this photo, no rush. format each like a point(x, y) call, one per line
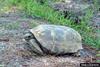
point(29, 36)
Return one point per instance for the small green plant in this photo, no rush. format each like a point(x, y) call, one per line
point(1, 65)
point(98, 55)
point(98, 61)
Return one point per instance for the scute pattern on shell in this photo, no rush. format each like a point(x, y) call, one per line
point(58, 39)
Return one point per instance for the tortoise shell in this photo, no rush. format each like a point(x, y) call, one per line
point(57, 39)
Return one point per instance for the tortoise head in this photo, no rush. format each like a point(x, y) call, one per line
point(28, 36)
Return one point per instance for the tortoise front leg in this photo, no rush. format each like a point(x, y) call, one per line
point(35, 47)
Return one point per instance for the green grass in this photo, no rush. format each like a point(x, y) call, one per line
point(98, 55)
point(98, 61)
point(33, 8)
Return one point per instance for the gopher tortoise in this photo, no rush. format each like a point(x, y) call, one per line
point(53, 40)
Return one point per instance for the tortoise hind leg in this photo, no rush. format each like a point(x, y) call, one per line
point(83, 53)
point(87, 53)
point(77, 54)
